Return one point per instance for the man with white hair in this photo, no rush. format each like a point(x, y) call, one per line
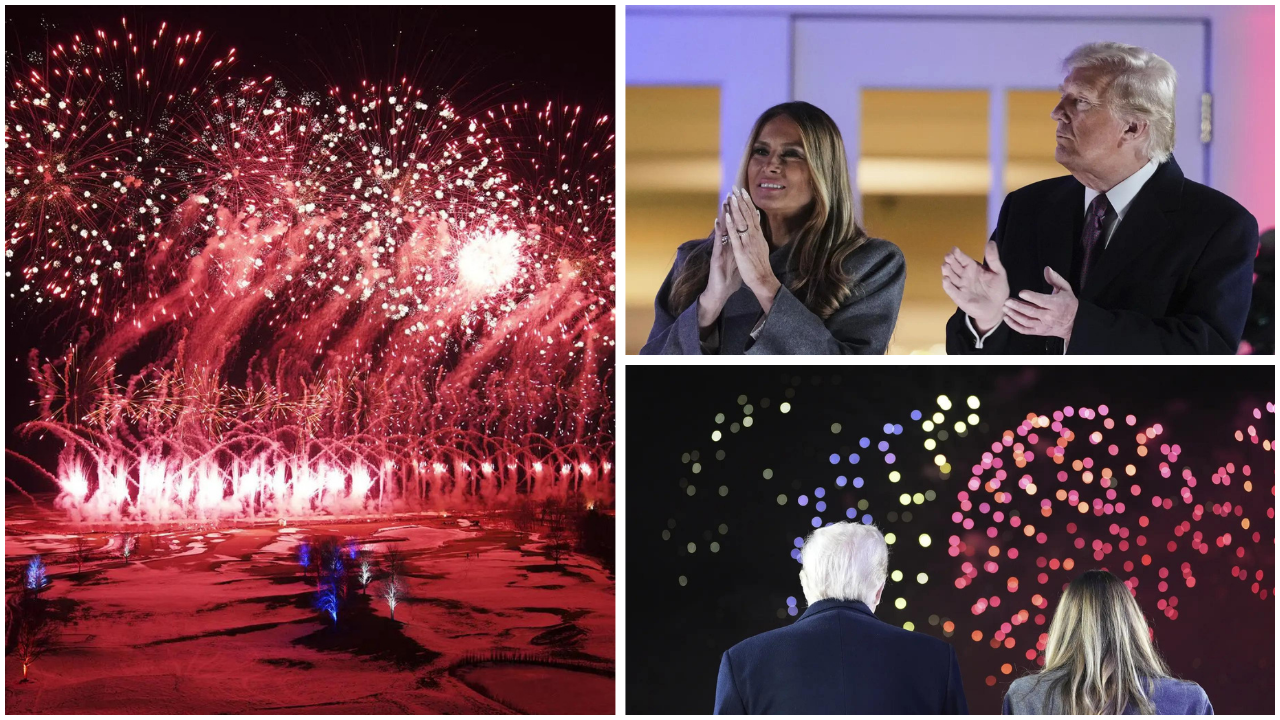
point(1124, 256)
point(838, 657)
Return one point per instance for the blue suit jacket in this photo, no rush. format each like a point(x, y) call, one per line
point(839, 658)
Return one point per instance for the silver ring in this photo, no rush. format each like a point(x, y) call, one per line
point(724, 239)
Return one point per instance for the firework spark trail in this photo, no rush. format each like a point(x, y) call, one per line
point(324, 301)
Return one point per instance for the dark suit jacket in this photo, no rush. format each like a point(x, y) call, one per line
point(1176, 277)
point(861, 326)
point(838, 658)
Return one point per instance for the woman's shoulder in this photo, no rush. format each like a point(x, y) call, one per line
point(1179, 697)
point(875, 252)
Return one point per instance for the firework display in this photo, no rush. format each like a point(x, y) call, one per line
point(277, 301)
point(987, 520)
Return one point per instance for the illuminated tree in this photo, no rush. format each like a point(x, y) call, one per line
point(128, 544)
point(36, 579)
point(32, 633)
point(393, 590)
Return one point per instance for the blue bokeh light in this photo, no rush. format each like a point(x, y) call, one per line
point(840, 481)
point(851, 513)
point(884, 445)
point(803, 500)
point(834, 458)
point(916, 415)
point(890, 458)
point(799, 542)
point(888, 428)
point(819, 492)
point(817, 521)
point(865, 442)
point(854, 458)
point(857, 482)
point(866, 519)
point(821, 506)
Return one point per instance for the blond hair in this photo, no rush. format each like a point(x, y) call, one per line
point(1100, 651)
point(1136, 83)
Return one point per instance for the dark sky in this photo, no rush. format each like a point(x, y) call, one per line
point(525, 53)
point(1223, 638)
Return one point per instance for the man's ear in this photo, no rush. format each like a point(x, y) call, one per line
point(1136, 129)
point(879, 591)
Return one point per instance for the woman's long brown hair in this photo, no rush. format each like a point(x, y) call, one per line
point(829, 236)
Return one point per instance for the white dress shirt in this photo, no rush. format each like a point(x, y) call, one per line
point(1120, 197)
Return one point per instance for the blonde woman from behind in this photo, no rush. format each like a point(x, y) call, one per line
point(1099, 659)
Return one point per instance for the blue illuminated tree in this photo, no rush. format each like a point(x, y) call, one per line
point(36, 579)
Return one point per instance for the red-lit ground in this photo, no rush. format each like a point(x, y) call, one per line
point(220, 620)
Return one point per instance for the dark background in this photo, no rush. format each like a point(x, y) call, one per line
point(1223, 637)
point(479, 56)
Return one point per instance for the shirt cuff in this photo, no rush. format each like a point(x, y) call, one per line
point(711, 345)
point(755, 331)
point(978, 339)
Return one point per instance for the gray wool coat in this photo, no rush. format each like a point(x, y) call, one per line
point(861, 326)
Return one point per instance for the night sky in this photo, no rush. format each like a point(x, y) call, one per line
point(1219, 634)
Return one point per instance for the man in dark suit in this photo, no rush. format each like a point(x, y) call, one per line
point(1124, 256)
point(838, 657)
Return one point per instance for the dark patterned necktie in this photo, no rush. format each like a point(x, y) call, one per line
point(1094, 226)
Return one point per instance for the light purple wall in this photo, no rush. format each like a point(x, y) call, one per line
point(746, 50)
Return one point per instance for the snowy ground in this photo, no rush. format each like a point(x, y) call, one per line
point(220, 620)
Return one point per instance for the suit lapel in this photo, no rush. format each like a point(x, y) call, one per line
point(1058, 233)
point(1144, 225)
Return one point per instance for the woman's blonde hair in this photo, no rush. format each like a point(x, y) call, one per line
point(830, 234)
point(1100, 644)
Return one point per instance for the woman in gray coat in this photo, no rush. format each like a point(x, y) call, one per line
point(787, 269)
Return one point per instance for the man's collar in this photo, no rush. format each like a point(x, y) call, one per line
point(824, 605)
point(1120, 196)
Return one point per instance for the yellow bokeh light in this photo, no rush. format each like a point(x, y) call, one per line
point(930, 444)
point(908, 625)
point(925, 541)
point(900, 603)
point(922, 578)
point(890, 538)
point(944, 402)
point(946, 468)
point(927, 426)
point(973, 418)
point(918, 498)
point(782, 499)
point(835, 428)
point(895, 476)
point(973, 402)
point(904, 498)
point(715, 436)
point(747, 422)
point(939, 460)
point(939, 417)
point(960, 427)
point(785, 407)
point(896, 575)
